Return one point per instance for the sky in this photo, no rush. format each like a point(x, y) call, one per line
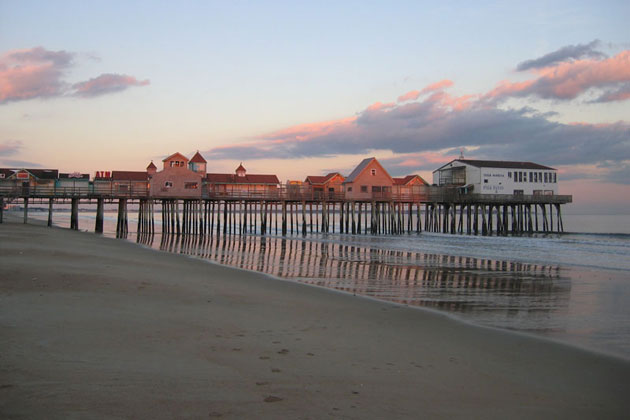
point(305, 89)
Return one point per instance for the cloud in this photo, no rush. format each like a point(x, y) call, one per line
point(39, 73)
point(415, 94)
point(568, 80)
point(620, 94)
point(106, 83)
point(10, 147)
point(12, 163)
point(570, 52)
point(437, 127)
point(32, 73)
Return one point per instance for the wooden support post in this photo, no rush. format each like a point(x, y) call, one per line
point(25, 210)
point(74, 214)
point(1, 209)
point(284, 218)
point(50, 211)
point(304, 218)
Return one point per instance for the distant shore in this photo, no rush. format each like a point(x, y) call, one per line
point(96, 327)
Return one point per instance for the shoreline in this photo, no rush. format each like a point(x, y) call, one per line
point(192, 339)
point(562, 339)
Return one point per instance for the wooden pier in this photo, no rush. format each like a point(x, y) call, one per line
point(287, 212)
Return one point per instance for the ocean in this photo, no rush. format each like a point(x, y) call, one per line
point(572, 287)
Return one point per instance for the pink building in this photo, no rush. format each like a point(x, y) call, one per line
point(242, 184)
point(410, 186)
point(179, 177)
point(368, 181)
point(326, 186)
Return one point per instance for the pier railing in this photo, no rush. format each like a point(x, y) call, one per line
point(425, 194)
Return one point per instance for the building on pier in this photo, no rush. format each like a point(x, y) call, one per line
point(128, 182)
point(28, 179)
point(327, 186)
point(497, 177)
point(72, 182)
point(369, 180)
point(241, 184)
point(410, 186)
point(180, 177)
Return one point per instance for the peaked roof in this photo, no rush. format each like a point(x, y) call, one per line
point(176, 154)
point(198, 158)
point(151, 166)
point(315, 179)
point(406, 180)
point(129, 176)
point(247, 179)
point(499, 164)
point(241, 168)
point(361, 167)
point(37, 173)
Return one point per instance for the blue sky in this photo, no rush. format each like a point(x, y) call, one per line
point(232, 78)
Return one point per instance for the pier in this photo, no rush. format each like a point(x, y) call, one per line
point(304, 211)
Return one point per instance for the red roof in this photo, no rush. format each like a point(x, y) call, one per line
point(198, 158)
point(178, 155)
point(129, 176)
point(247, 179)
point(314, 179)
point(240, 168)
point(151, 166)
point(406, 180)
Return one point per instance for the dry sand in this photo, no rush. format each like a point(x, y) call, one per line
point(92, 327)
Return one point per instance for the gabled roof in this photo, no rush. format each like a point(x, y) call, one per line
point(74, 176)
point(317, 180)
point(175, 155)
point(151, 166)
point(129, 176)
point(198, 158)
point(247, 179)
point(406, 180)
point(499, 164)
point(6, 172)
point(361, 167)
point(241, 168)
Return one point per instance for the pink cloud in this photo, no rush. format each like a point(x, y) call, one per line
point(415, 94)
point(106, 83)
point(568, 80)
point(32, 73)
point(377, 106)
point(306, 131)
point(38, 73)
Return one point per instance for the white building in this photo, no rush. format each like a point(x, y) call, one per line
point(498, 177)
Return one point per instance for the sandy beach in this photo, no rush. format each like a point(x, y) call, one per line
point(93, 327)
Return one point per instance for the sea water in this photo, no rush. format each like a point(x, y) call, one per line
point(573, 287)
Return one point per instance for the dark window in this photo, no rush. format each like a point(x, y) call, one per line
point(555, 178)
point(376, 189)
point(168, 184)
point(373, 171)
point(349, 189)
point(509, 174)
point(520, 176)
point(332, 190)
point(531, 177)
point(518, 192)
point(539, 176)
point(545, 177)
point(485, 181)
point(364, 188)
point(191, 185)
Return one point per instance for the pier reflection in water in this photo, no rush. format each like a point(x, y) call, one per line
point(520, 296)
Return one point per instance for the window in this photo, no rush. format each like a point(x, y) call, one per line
point(545, 177)
point(485, 181)
point(331, 190)
point(535, 176)
point(518, 192)
point(539, 176)
point(509, 174)
point(520, 176)
point(373, 172)
point(349, 189)
point(364, 188)
point(376, 189)
point(555, 179)
point(191, 185)
point(531, 177)
point(168, 184)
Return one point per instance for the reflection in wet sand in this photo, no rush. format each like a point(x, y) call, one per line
point(495, 293)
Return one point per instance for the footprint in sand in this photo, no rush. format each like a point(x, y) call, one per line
point(276, 370)
point(263, 357)
point(272, 398)
point(283, 351)
point(310, 354)
point(262, 383)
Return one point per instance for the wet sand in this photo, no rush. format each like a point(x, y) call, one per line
point(93, 327)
